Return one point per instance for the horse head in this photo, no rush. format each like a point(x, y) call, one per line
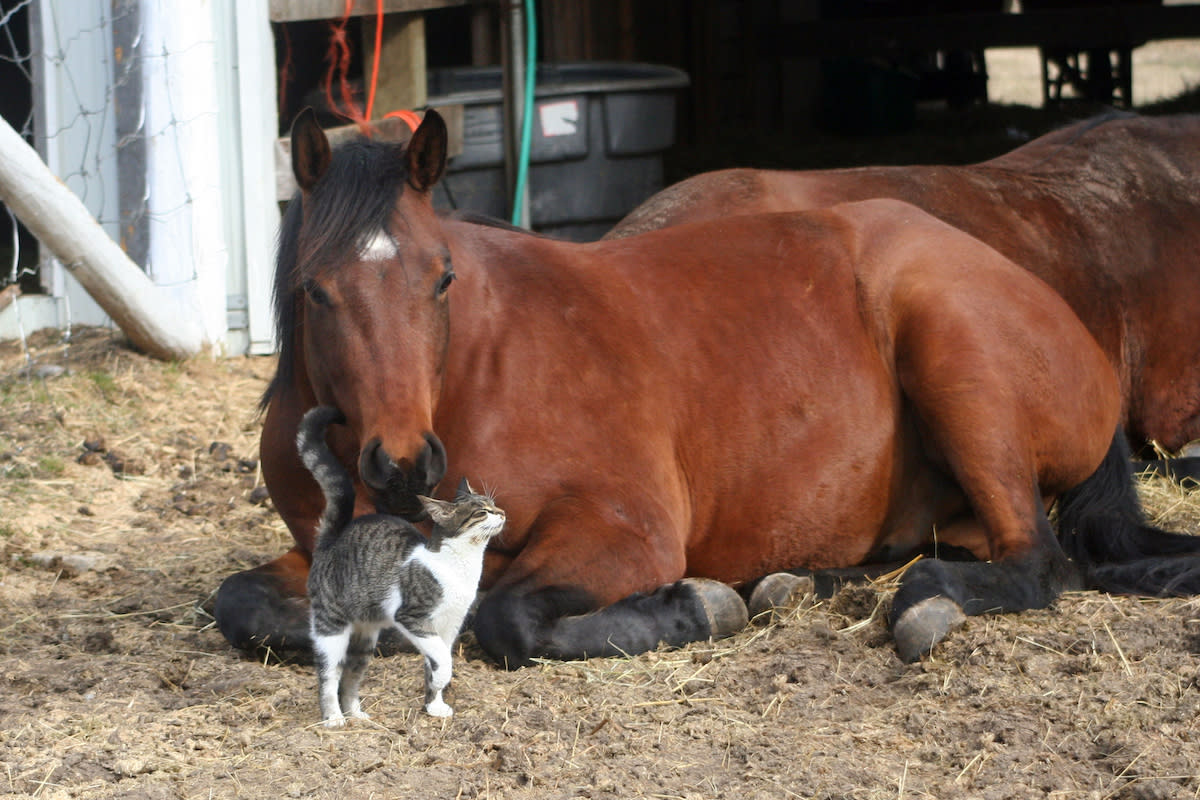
point(369, 292)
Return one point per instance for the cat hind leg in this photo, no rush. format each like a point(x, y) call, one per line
point(360, 649)
point(329, 652)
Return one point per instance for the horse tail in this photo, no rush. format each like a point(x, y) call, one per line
point(1103, 529)
point(335, 482)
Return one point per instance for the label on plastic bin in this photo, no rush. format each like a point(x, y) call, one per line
point(560, 118)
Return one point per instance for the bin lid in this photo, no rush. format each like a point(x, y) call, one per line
point(477, 85)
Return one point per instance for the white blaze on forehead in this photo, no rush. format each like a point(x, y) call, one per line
point(378, 246)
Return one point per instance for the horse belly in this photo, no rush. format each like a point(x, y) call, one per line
point(824, 496)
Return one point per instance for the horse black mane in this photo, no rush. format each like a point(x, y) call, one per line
point(1086, 127)
point(476, 218)
point(354, 197)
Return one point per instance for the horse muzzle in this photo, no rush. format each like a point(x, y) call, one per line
point(395, 483)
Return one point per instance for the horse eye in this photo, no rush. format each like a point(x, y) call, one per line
point(444, 283)
point(315, 293)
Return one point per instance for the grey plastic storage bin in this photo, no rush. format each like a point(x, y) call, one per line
point(598, 136)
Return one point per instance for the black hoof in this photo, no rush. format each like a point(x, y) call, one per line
point(253, 611)
point(779, 590)
point(724, 607)
point(923, 625)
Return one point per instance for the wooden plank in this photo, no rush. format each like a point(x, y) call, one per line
point(1077, 28)
point(402, 82)
point(297, 10)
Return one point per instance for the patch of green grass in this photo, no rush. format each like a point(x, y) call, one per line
point(106, 384)
point(51, 465)
point(15, 470)
point(172, 371)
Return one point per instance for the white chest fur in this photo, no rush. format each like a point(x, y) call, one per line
point(456, 567)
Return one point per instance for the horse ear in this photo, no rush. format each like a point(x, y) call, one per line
point(427, 152)
point(310, 150)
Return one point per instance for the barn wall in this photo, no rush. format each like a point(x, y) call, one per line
point(740, 76)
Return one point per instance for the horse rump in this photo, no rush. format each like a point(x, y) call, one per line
point(1103, 529)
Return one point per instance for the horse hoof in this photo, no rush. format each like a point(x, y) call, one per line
point(725, 608)
point(778, 591)
point(925, 624)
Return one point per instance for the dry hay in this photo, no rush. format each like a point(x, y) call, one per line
point(116, 684)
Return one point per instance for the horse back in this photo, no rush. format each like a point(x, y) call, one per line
point(1106, 212)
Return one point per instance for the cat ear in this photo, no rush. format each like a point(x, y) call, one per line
point(464, 488)
point(437, 510)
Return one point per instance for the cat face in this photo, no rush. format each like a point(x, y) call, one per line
point(472, 516)
point(484, 524)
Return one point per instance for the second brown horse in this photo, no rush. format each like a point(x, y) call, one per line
point(1107, 212)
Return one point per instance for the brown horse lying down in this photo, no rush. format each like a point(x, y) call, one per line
point(1106, 211)
point(667, 415)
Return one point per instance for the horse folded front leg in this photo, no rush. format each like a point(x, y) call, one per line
point(267, 606)
point(936, 596)
point(514, 627)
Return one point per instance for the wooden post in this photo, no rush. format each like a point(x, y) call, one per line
point(402, 80)
point(158, 321)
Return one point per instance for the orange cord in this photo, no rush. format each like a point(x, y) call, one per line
point(339, 65)
point(375, 55)
point(285, 72)
point(410, 117)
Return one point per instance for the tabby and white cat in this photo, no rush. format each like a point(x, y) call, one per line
point(378, 571)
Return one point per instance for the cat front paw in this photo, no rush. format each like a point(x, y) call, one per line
point(334, 721)
point(438, 708)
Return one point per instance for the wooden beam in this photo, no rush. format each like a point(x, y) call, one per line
point(297, 10)
point(1078, 28)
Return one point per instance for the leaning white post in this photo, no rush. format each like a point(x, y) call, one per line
point(162, 323)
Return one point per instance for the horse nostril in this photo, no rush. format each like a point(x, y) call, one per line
point(374, 465)
point(432, 462)
point(380, 472)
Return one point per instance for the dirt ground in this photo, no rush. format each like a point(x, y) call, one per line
point(129, 492)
